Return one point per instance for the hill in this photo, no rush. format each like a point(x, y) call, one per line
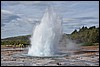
point(16, 40)
point(86, 35)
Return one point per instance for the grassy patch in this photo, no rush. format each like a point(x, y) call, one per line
point(88, 44)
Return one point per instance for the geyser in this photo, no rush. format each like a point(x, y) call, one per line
point(46, 35)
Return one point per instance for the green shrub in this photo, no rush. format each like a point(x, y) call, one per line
point(87, 44)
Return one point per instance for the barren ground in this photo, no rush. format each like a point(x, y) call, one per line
point(86, 56)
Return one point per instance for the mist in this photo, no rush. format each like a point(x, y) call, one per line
point(68, 45)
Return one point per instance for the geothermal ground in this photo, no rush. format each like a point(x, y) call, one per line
point(86, 56)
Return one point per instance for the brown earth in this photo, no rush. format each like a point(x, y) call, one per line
point(86, 56)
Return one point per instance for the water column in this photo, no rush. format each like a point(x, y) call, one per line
point(46, 35)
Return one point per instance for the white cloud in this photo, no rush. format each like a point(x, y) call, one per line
point(22, 15)
point(25, 2)
point(5, 12)
point(7, 16)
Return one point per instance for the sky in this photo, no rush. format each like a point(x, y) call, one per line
point(20, 17)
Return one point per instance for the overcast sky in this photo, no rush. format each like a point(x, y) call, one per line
point(19, 17)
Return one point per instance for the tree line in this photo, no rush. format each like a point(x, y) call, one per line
point(84, 35)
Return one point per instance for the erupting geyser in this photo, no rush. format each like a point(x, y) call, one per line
point(46, 35)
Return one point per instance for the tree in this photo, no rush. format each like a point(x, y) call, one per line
point(74, 32)
point(86, 35)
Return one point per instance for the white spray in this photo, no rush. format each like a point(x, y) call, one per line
point(46, 35)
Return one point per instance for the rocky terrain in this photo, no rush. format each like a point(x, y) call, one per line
point(86, 56)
